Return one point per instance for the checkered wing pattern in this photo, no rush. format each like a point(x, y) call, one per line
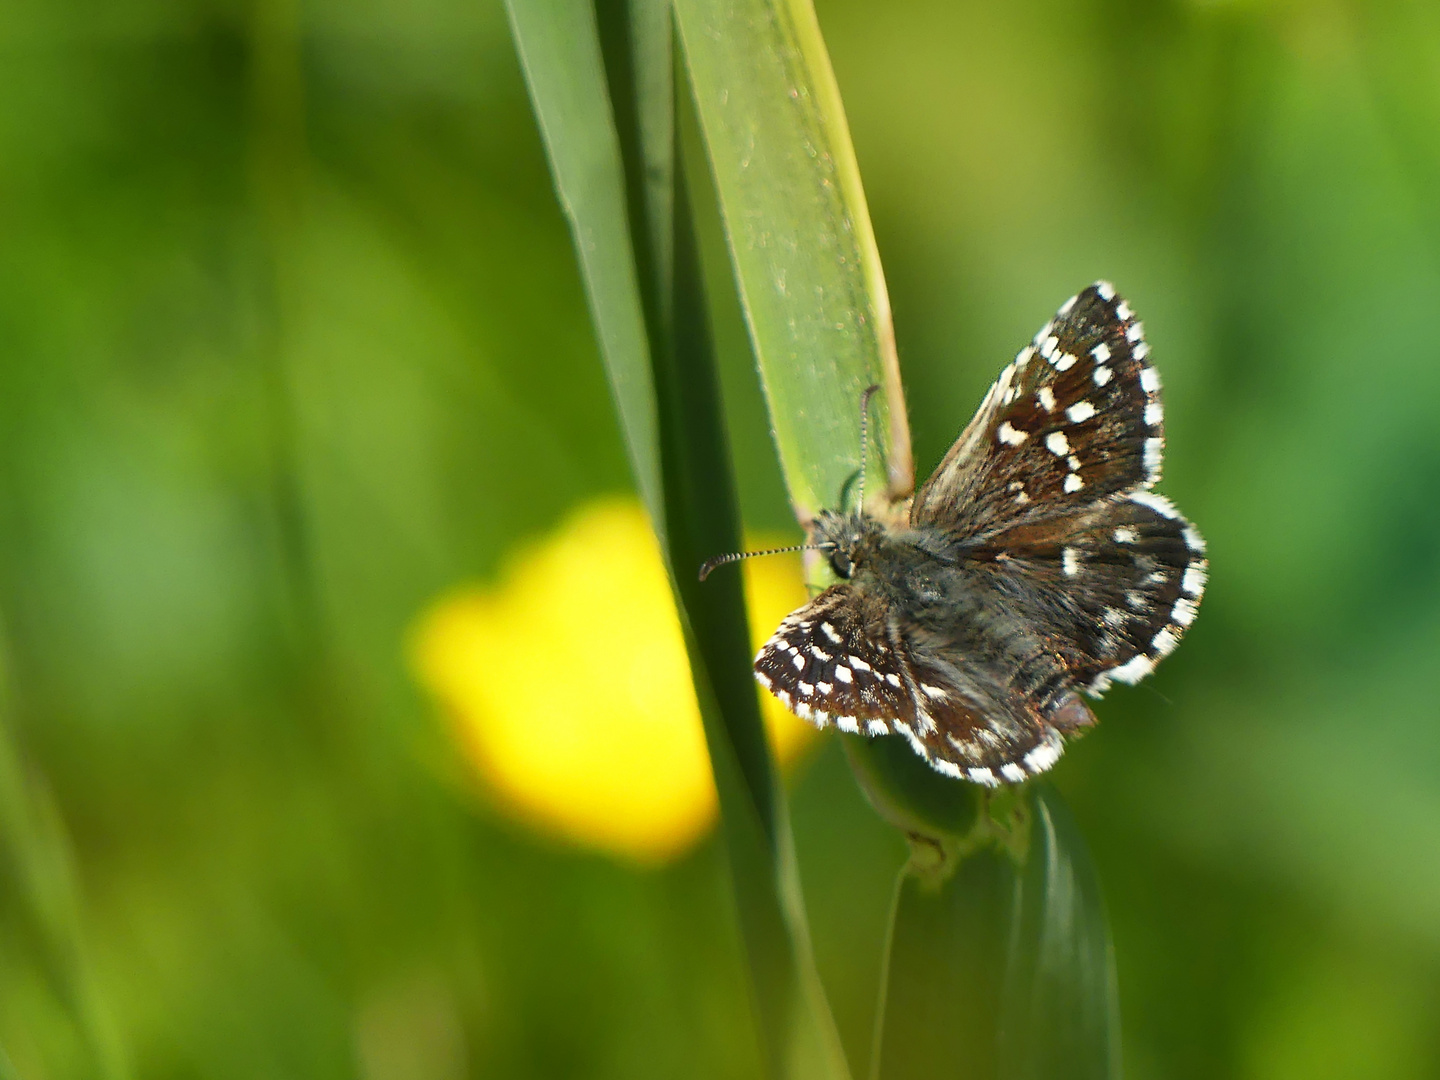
point(1053, 569)
point(845, 659)
point(1074, 419)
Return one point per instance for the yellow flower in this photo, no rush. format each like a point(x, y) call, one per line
point(570, 690)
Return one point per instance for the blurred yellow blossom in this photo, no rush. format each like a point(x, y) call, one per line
point(570, 691)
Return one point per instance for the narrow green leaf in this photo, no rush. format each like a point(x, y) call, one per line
point(800, 236)
point(594, 84)
point(944, 970)
point(997, 927)
point(999, 964)
point(559, 47)
point(804, 252)
point(1061, 1014)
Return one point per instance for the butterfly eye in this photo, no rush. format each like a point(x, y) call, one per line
point(840, 562)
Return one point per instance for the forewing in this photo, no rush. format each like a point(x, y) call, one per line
point(846, 659)
point(1076, 417)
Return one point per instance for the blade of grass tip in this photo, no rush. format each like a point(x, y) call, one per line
point(665, 391)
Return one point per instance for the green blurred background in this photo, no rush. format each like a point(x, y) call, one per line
point(291, 339)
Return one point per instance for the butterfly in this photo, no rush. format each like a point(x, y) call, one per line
point(1034, 566)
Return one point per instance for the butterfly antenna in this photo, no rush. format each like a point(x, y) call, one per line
point(864, 435)
point(721, 560)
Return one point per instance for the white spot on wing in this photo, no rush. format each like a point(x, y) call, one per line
point(1046, 397)
point(1105, 289)
point(843, 674)
point(1123, 311)
point(913, 739)
point(1161, 505)
point(847, 723)
point(1133, 670)
point(1070, 562)
point(1057, 444)
point(1101, 374)
point(1065, 361)
point(983, 776)
point(1154, 453)
point(1080, 412)
point(1073, 483)
point(1043, 756)
point(799, 662)
point(876, 727)
point(1154, 413)
point(1194, 580)
point(1012, 772)
point(763, 679)
point(1149, 380)
point(1124, 535)
point(1193, 540)
point(933, 691)
point(1135, 331)
point(1184, 611)
point(1101, 353)
point(1165, 642)
point(1010, 435)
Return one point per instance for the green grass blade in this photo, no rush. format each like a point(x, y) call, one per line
point(945, 961)
point(999, 964)
point(799, 231)
point(995, 929)
point(1061, 1015)
point(560, 52)
point(595, 83)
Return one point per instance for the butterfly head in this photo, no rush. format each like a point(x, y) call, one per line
point(846, 539)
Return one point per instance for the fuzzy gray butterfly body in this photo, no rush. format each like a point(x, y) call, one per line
point(1035, 565)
